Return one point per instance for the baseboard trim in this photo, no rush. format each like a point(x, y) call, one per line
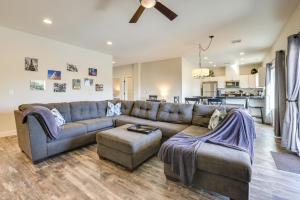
point(8, 133)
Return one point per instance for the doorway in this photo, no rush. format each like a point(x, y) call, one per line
point(123, 88)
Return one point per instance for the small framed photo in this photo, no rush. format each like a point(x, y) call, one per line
point(99, 87)
point(38, 85)
point(88, 82)
point(54, 75)
point(76, 84)
point(92, 72)
point(59, 87)
point(31, 64)
point(72, 68)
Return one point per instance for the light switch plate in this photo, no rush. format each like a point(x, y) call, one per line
point(11, 92)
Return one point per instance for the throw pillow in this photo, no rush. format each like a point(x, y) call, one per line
point(216, 119)
point(113, 109)
point(58, 117)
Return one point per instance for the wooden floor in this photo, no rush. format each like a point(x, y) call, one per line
point(81, 175)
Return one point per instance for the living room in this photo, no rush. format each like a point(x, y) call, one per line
point(110, 99)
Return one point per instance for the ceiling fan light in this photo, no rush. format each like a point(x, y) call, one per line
point(148, 3)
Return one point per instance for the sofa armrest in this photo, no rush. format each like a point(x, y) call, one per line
point(31, 137)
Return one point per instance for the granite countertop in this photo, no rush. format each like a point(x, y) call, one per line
point(235, 97)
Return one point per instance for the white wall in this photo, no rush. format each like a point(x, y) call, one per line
point(162, 78)
point(190, 86)
point(15, 46)
point(291, 27)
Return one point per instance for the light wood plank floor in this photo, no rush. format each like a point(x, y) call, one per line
point(81, 175)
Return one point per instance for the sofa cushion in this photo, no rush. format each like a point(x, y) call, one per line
point(72, 129)
point(87, 110)
point(203, 113)
point(145, 109)
point(224, 161)
point(175, 113)
point(97, 124)
point(63, 108)
point(196, 131)
point(167, 129)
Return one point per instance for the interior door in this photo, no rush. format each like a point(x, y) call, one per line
point(128, 89)
point(117, 85)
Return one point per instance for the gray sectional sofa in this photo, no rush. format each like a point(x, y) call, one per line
point(220, 169)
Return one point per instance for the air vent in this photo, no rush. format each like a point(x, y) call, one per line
point(236, 41)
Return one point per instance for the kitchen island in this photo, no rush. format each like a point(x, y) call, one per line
point(255, 104)
point(242, 101)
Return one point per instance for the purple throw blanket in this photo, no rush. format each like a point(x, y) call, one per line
point(44, 117)
point(236, 131)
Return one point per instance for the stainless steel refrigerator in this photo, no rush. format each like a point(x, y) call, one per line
point(209, 89)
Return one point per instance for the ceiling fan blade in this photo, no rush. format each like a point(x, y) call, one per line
point(137, 14)
point(165, 11)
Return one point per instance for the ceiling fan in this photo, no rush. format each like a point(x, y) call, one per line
point(146, 4)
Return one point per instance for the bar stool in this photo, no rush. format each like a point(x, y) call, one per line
point(215, 101)
point(261, 113)
point(192, 100)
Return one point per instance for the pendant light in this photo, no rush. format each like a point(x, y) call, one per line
point(201, 72)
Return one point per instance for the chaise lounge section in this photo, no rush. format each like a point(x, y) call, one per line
point(220, 169)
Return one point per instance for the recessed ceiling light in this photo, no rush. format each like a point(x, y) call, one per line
point(215, 65)
point(109, 43)
point(242, 53)
point(205, 58)
point(47, 21)
point(210, 62)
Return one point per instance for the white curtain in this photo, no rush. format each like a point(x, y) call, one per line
point(270, 93)
point(291, 127)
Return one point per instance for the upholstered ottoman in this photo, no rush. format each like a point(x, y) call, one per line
point(127, 148)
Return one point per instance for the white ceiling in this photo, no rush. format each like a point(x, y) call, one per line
point(90, 23)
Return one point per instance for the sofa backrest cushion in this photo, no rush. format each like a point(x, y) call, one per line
point(145, 109)
point(63, 108)
point(83, 110)
point(175, 113)
point(203, 113)
point(126, 106)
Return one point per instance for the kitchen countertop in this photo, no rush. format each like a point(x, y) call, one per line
point(234, 97)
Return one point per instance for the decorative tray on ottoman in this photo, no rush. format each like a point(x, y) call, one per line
point(139, 128)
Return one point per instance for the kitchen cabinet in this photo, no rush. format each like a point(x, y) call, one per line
point(253, 80)
point(219, 79)
point(244, 81)
point(249, 81)
point(232, 72)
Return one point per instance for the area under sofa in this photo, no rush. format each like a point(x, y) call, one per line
point(220, 169)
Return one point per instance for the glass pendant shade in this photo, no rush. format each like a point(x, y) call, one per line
point(200, 72)
point(148, 3)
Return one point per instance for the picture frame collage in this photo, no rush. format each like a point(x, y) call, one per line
point(31, 65)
